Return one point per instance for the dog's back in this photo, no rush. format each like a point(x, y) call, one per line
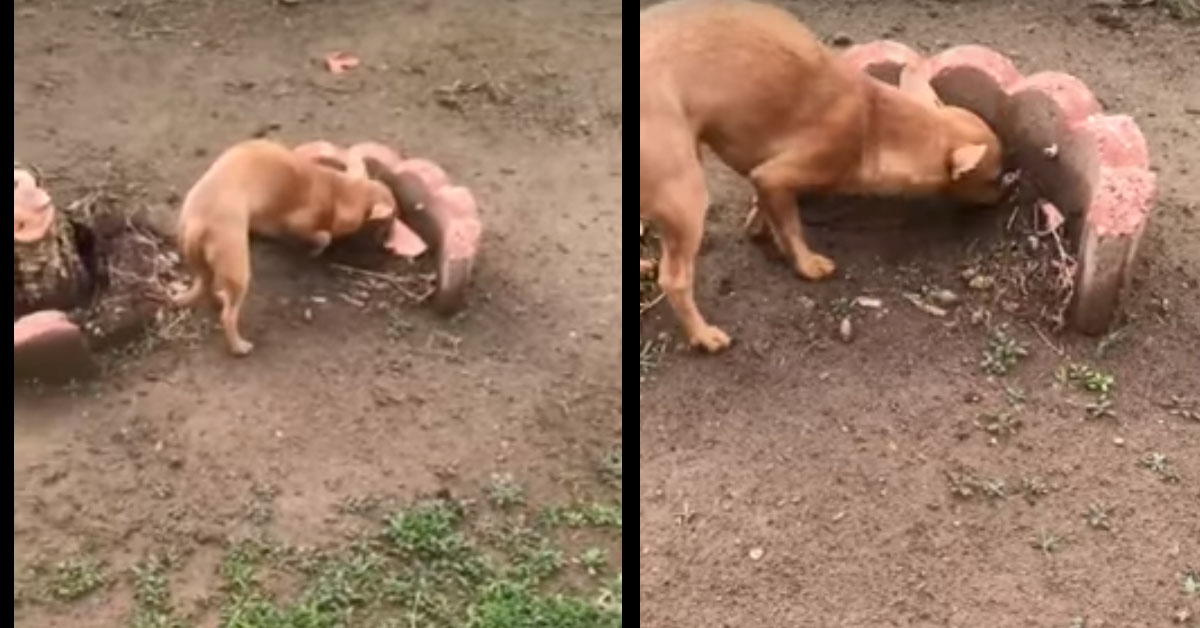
point(734, 73)
point(250, 187)
point(256, 186)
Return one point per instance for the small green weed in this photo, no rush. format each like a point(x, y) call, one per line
point(1189, 581)
point(1002, 353)
point(76, 578)
point(504, 492)
point(1090, 379)
point(1048, 542)
point(1098, 516)
point(586, 515)
point(1160, 465)
point(593, 560)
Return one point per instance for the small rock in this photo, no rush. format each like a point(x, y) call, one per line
point(1119, 442)
point(981, 282)
point(945, 298)
point(846, 330)
point(807, 303)
point(932, 310)
point(1051, 151)
point(756, 553)
point(839, 516)
point(869, 302)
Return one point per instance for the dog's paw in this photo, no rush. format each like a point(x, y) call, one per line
point(814, 267)
point(710, 339)
point(241, 348)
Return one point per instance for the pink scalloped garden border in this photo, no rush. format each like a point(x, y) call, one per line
point(1090, 163)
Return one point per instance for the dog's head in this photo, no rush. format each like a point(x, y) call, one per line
point(973, 156)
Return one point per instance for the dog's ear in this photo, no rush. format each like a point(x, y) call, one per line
point(965, 159)
point(915, 84)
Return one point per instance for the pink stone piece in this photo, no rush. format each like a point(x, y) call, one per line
point(1092, 167)
point(49, 348)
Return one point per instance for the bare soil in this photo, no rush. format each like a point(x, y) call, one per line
point(181, 448)
point(801, 480)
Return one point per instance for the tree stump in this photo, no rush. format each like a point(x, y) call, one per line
point(49, 272)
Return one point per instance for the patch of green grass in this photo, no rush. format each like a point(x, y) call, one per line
point(1090, 379)
point(1015, 396)
point(1098, 516)
point(152, 596)
point(966, 486)
point(593, 560)
point(1048, 542)
point(1002, 353)
point(1160, 465)
point(505, 492)
point(1034, 488)
point(1189, 581)
point(76, 578)
point(1100, 409)
point(1000, 424)
point(426, 567)
point(435, 564)
point(610, 467)
point(1187, 10)
point(610, 596)
point(512, 605)
point(583, 515)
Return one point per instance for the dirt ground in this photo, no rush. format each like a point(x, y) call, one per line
point(800, 480)
point(183, 448)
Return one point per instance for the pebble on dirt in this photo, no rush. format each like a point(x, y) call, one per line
point(846, 330)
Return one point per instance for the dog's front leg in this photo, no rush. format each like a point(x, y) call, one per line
point(777, 183)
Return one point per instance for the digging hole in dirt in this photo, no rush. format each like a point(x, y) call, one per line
point(106, 269)
point(1020, 252)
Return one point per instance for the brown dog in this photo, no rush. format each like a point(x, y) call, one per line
point(752, 83)
point(262, 187)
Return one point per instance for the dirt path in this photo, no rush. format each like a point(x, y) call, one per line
point(803, 481)
point(179, 450)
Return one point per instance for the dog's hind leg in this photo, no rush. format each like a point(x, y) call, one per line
point(231, 275)
point(193, 259)
point(674, 196)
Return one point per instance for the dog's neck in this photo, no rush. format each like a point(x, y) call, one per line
point(904, 144)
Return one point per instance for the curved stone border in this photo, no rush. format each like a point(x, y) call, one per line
point(448, 222)
point(49, 348)
point(1093, 166)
